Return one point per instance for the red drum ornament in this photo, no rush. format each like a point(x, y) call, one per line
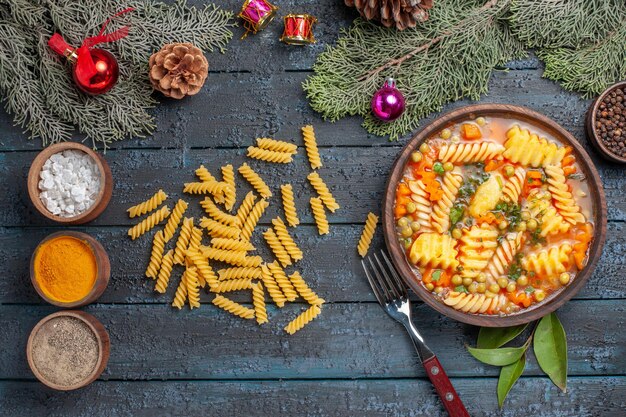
point(388, 102)
point(257, 14)
point(94, 70)
point(298, 29)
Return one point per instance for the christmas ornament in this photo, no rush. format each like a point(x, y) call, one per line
point(298, 29)
point(178, 70)
point(401, 13)
point(94, 70)
point(257, 14)
point(388, 102)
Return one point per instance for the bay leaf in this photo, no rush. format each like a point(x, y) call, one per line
point(550, 348)
point(509, 374)
point(499, 356)
point(494, 337)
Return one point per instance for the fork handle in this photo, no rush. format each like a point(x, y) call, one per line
point(450, 399)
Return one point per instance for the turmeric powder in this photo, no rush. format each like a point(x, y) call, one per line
point(65, 269)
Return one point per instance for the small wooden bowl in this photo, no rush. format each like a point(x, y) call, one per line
point(101, 335)
point(106, 183)
point(102, 263)
point(590, 123)
point(412, 278)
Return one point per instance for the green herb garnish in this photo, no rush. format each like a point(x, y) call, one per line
point(456, 213)
point(529, 290)
point(461, 288)
point(436, 275)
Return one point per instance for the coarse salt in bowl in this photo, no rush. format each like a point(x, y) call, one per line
point(69, 183)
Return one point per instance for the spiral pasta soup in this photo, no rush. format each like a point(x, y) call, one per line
point(495, 214)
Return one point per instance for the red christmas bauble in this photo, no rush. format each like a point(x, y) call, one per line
point(105, 77)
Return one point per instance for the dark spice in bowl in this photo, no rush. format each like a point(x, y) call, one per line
point(610, 124)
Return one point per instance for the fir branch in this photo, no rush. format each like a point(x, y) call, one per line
point(590, 69)
point(465, 40)
point(52, 113)
point(565, 23)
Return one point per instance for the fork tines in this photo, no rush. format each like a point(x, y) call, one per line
point(384, 278)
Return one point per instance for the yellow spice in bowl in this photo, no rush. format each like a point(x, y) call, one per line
point(65, 269)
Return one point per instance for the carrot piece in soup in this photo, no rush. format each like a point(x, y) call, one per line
point(493, 164)
point(470, 131)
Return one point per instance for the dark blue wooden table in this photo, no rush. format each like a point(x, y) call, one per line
point(352, 361)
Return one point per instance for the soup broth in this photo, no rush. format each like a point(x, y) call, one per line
point(495, 214)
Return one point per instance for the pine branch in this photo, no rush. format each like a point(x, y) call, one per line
point(53, 112)
point(449, 57)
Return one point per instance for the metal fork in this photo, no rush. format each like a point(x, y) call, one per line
point(392, 295)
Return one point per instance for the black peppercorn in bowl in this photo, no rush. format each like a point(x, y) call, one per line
point(606, 123)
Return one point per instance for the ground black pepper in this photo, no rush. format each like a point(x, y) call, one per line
point(610, 124)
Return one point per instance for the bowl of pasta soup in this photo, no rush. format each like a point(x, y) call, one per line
point(494, 215)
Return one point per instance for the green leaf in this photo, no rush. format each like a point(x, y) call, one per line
point(550, 348)
point(501, 356)
point(509, 374)
point(436, 275)
point(494, 337)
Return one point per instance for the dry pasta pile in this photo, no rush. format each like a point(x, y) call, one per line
point(230, 237)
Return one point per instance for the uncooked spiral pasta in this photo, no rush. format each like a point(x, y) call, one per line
point(319, 215)
point(253, 218)
point(441, 211)
point(513, 187)
point(217, 229)
point(423, 206)
point(239, 273)
point(476, 303)
point(156, 255)
point(549, 262)
point(286, 240)
point(276, 145)
point(204, 175)
point(469, 152)
point(148, 223)
point(222, 255)
point(230, 194)
point(233, 307)
point(258, 301)
point(181, 293)
point(561, 195)
point(191, 282)
point(368, 233)
point(205, 187)
point(272, 287)
point(322, 190)
point(183, 240)
point(205, 272)
point(249, 262)
point(310, 144)
point(277, 248)
point(195, 239)
point(303, 289)
point(214, 211)
point(245, 207)
point(232, 285)
point(504, 255)
point(269, 156)
point(174, 220)
point(526, 148)
point(255, 181)
point(303, 319)
point(165, 272)
point(282, 281)
point(434, 250)
point(289, 205)
point(232, 244)
point(147, 206)
point(476, 247)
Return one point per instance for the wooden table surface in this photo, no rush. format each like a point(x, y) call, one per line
point(352, 361)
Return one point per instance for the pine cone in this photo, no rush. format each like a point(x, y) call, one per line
point(401, 13)
point(178, 70)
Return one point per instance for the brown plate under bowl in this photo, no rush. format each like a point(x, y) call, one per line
point(411, 276)
point(590, 123)
point(101, 335)
point(106, 183)
point(102, 263)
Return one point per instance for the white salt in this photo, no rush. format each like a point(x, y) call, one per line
point(69, 183)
